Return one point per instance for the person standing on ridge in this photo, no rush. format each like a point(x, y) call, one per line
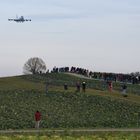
point(110, 86)
point(124, 87)
point(77, 87)
point(84, 86)
point(65, 86)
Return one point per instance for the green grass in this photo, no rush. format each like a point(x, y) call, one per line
point(21, 96)
point(97, 136)
point(65, 110)
point(61, 78)
point(18, 83)
point(55, 79)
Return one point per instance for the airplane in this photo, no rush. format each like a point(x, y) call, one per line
point(20, 19)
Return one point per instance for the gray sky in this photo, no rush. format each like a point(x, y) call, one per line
point(100, 35)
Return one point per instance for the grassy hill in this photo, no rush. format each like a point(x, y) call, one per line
point(21, 96)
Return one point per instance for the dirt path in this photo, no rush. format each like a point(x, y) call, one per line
point(69, 130)
point(79, 75)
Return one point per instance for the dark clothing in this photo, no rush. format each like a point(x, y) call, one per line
point(124, 86)
point(84, 86)
point(65, 87)
point(78, 86)
point(46, 89)
point(110, 86)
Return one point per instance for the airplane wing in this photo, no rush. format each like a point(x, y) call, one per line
point(11, 19)
point(27, 19)
point(17, 20)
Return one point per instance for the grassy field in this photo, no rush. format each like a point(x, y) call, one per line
point(61, 78)
point(21, 96)
point(97, 136)
point(55, 79)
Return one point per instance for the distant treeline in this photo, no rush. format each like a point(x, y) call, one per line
point(129, 78)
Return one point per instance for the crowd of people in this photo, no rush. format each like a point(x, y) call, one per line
point(81, 86)
point(78, 86)
point(130, 78)
point(108, 77)
point(72, 70)
point(117, 77)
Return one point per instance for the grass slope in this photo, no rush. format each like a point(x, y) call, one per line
point(21, 96)
point(65, 110)
point(61, 78)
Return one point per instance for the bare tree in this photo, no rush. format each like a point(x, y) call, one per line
point(135, 73)
point(34, 65)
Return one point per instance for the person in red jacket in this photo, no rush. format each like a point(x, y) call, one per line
point(37, 119)
point(110, 86)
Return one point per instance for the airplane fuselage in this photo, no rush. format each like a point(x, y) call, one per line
point(21, 19)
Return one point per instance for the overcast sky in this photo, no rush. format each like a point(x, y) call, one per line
point(100, 35)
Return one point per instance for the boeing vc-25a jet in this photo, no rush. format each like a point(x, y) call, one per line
point(20, 19)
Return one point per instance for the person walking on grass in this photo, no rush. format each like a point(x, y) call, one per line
point(65, 86)
point(84, 86)
point(110, 86)
point(37, 119)
point(78, 86)
point(124, 87)
point(46, 88)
